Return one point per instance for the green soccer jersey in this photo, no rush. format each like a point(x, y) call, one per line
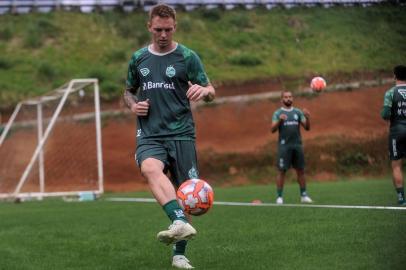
point(163, 79)
point(289, 129)
point(395, 99)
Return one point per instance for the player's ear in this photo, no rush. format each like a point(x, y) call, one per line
point(174, 27)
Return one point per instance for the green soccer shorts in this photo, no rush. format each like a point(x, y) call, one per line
point(397, 146)
point(178, 156)
point(290, 156)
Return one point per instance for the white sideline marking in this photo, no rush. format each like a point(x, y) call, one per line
point(272, 204)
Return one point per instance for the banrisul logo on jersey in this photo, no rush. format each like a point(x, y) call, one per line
point(158, 85)
point(170, 71)
point(144, 71)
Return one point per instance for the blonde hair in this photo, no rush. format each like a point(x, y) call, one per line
point(163, 11)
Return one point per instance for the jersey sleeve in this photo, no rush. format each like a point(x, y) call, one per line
point(132, 82)
point(195, 70)
point(387, 101)
point(275, 116)
point(387, 104)
point(302, 118)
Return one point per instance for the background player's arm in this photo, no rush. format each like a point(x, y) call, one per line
point(306, 120)
point(277, 121)
point(386, 113)
point(387, 105)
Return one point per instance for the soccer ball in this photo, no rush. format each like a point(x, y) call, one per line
point(195, 196)
point(318, 84)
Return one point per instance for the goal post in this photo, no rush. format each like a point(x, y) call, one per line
point(52, 144)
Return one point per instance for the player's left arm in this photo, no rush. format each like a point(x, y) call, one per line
point(305, 121)
point(200, 87)
point(197, 92)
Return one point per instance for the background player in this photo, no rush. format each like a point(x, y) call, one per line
point(162, 79)
point(288, 120)
point(394, 110)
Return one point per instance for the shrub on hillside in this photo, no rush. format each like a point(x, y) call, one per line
point(46, 71)
point(117, 56)
point(38, 32)
point(240, 21)
point(5, 64)
point(6, 34)
point(245, 60)
point(211, 14)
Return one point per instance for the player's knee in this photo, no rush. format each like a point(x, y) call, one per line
point(300, 171)
point(150, 168)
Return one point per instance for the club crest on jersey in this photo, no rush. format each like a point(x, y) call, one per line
point(170, 71)
point(295, 116)
point(403, 93)
point(144, 71)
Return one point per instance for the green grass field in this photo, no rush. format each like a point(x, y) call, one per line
point(53, 234)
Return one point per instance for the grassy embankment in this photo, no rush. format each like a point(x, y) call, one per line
point(39, 52)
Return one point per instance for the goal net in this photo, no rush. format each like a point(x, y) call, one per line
point(51, 145)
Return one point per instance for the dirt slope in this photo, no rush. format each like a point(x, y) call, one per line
point(244, 127)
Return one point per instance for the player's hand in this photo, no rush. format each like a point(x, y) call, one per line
point(306, 112)
point(141, 108)
point(196, 92)
point(283, 117)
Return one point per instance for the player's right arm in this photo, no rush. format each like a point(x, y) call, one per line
point(277, 119)
point(140, 108)
point(387, 105)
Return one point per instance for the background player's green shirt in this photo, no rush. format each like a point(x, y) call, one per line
point(395, 99)
point(289, 129)
point(163, 79)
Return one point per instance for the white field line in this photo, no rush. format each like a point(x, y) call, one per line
point(147, 200)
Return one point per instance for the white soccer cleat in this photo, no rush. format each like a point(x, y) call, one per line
point(279, 200)
point(306, 199)
point(181, 262)
point(177, 231)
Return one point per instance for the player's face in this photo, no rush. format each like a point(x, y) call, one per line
point(162, 30)
point(287, 99)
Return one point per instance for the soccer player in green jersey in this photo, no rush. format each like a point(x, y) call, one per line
point(163, 78)
point(394, 111)
point(287, 120)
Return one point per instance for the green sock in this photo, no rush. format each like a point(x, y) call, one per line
point(401, 194)
point(303, 191)
point(179, 248)
point(279, 191)
point(174, 212)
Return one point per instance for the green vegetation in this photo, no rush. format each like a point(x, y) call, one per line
point(330, 156)
point(39, 52)
point(121, 235)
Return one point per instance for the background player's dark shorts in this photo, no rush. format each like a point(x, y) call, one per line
point(290, 156)
point(179, 157)
point(397, 146)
